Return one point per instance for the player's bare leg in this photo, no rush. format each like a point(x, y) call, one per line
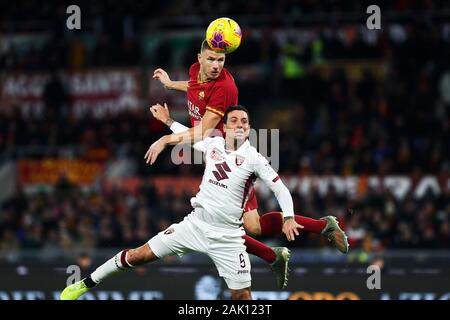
point(122, 261)
point(241, 294)
point(251, 223)
point(141, 255)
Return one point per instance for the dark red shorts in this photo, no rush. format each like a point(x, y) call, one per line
point(252, 203)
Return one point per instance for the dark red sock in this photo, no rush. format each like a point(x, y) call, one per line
point(311, 225)
point(272, 222)
point(259, 249)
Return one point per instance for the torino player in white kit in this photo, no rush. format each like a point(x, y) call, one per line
point(214, 227)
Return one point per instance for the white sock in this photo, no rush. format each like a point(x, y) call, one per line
point(114, 265)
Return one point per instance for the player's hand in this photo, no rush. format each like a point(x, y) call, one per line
point(155, 149)
point(163, 77)
point(161, 113)
point(290, 229)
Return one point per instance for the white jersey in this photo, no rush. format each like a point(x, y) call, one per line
point(227, 180)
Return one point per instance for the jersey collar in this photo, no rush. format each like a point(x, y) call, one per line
point(243, 146)
point(200, 81)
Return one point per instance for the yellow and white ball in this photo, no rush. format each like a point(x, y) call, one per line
point(223, 35)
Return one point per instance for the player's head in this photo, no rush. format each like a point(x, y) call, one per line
point(211, 62)
point(236, 123)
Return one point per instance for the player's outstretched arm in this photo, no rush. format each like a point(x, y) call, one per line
point(163, 77)
point(290, 226)
point(162, 114)
point(155, 149)
point(204, 129)
point(193, 135)
point(266, 173)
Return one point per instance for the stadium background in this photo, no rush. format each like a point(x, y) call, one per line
point(364, 125)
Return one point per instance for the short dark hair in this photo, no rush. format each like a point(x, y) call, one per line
point(234, 108)
point(205, 46)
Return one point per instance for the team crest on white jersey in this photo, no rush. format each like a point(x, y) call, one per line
point(239, 160)
point(216, 155)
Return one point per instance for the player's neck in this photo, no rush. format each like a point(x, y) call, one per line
point(232, 145)
point(202, 77)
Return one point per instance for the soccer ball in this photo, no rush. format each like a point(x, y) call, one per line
point(223, 35)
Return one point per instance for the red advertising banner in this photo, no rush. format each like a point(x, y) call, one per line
point(97, 92)
point(352, 186)
point(176, 100)
point(23, 90)
point(177, 185)
point(49, 171)
point(103, 92)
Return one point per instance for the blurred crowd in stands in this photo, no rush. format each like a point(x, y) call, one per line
point(394, 119)
point(69, 219)
point(115, 34)
point(21, 14)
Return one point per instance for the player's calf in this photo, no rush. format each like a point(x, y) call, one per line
point(140, 255)
point(241, 294)
point(124, 260)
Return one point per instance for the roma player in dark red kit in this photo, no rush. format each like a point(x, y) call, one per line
point(210, 90)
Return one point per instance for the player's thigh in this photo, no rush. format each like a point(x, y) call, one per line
point(178, 239)
point(233, 264)
point(251, 222)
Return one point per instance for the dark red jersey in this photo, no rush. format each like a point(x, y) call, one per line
point(214, 95)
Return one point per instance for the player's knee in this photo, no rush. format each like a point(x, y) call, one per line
point(251, 223)
point(253, 229)
point(140, 255)
point(241, 294)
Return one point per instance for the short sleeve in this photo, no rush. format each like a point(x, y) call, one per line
point(222, 96)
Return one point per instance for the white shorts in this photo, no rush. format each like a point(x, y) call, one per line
point(224, 246)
